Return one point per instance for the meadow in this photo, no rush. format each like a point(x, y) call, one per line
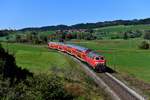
point(40, 60)
point(123, 28)
point(36, 58)
point(123, 56)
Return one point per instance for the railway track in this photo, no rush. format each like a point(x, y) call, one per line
point(122, 91)
point(115, 88)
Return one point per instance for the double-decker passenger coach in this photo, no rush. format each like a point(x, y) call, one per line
point(95, 60)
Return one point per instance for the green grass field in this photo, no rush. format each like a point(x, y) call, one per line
point(123, 28)
point(36, 58)
point(123, 56)
point(115, 32)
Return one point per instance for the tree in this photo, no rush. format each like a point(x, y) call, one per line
point(18, 38)
point(7, 38)
point(69, 36)
point(29, 37)
point(125, 36)
point(88, 36)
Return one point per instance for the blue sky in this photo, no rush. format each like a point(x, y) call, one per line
point(35, 13)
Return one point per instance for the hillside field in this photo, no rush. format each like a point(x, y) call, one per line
point(39, 59)
point(124, 56)
point(36, 58)
point(123, 28)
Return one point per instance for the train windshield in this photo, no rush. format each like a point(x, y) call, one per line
point(97, 58)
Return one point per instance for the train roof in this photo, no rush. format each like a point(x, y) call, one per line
point(78, 47)
point(57, 43)
point(94, 54)
point(72, 46)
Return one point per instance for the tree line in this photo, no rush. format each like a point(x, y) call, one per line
point(6, 32)
point(31, 37)
point(93, 35)
point(89, 25)
point(35, 37)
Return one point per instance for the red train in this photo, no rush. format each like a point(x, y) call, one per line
point(95, 60)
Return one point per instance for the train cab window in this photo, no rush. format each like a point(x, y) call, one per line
point(97, 58)
point(102, 58)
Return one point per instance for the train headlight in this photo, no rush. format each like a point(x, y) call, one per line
point(100, 63)
point(97, 63)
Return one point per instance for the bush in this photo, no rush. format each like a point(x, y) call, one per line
point(147, 35)
point(144, 45)
point(40, 87)
point(135, 34)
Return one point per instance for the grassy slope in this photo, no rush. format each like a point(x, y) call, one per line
point(36, 58)
point(41, 60)
point(46, 33)
point(124, 55)
point(122, 28)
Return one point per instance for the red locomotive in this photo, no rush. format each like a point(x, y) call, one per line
point(95, 60)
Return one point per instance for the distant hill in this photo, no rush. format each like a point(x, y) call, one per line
point(100, 30)
point(90, 25)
